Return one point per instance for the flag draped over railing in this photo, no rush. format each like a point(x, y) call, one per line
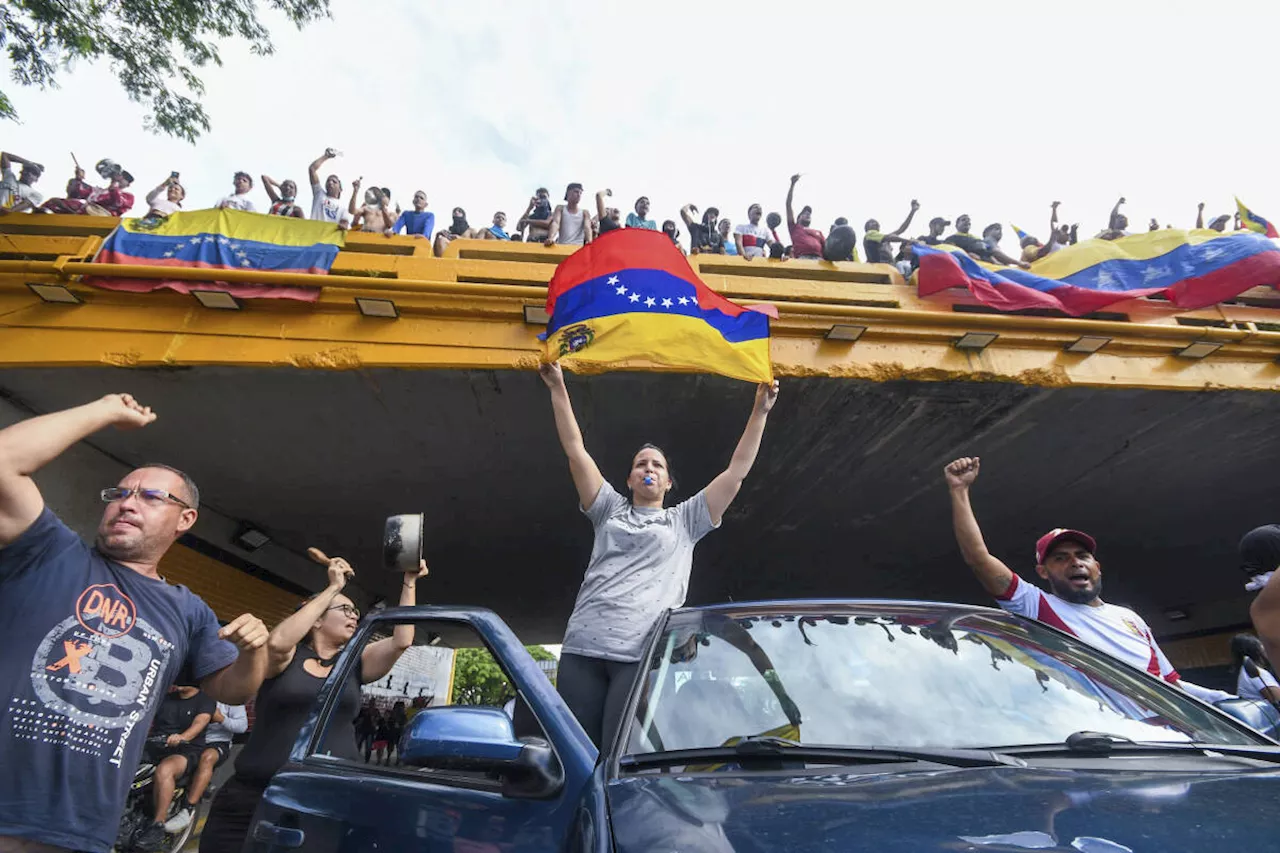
point(220, 239)
point(631, 295)
point(1193, 269)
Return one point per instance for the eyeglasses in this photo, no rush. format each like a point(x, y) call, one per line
point(151, 497)
point(347, 610)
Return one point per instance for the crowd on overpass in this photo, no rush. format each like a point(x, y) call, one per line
point(572, 221)
point(65, 606)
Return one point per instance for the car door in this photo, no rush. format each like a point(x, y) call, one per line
point(320, 803)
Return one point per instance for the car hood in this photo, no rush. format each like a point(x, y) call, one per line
point(981, 810)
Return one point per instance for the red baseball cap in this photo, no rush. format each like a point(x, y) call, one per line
point(1053, 537)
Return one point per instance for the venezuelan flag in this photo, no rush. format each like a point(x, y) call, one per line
point(631, 296)
point(1254, 222)
point(221, 239)
point(1193, 269)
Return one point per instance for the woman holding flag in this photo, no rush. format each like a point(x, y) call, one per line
point(640, 560)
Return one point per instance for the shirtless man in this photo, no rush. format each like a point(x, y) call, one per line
point(537, 216)
point(376, 213)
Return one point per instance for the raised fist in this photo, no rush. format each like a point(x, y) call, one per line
point(247, 631)
point(126, 412)
point(961, 473)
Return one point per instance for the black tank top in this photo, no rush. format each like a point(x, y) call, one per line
point(283, 705)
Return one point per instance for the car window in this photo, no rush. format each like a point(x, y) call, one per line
point(364, 722)
point(942, 678)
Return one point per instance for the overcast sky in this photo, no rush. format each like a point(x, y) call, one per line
point(994, 109)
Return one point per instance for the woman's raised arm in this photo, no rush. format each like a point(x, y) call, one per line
point(587, 478)
point(724, 488)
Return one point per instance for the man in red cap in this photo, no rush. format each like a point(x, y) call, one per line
point(1065, 560)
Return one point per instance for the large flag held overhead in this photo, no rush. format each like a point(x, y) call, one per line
point(632, 296)
point(221, 239)
point(1193, 269)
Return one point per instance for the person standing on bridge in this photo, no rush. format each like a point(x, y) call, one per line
point(93, 635)
point(640, 560)
point(301, 652)
point(1065, 559)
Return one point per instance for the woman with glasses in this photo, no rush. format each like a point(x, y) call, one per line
point(301, 651)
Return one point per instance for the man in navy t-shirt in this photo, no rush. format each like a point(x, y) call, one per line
point(93, 636)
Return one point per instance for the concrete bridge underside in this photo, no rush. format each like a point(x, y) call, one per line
point(846, 498)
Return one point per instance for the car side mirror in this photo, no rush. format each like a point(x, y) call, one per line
point(462, 737)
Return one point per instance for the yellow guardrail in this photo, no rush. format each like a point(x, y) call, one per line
point(476, 306)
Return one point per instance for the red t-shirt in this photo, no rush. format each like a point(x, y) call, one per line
point(806, 241)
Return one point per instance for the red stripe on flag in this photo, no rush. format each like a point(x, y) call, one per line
point(627, 249)
point(241, 291)
point(1227, 282)
point(942, 271)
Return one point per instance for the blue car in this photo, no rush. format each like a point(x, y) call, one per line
point(827, 726)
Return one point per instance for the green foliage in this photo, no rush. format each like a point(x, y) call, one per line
point(478, 680)
point(151, 46)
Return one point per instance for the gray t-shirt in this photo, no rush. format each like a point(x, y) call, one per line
point(639, 567)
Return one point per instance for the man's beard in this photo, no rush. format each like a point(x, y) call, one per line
point(1067, 592)
point(122, 550)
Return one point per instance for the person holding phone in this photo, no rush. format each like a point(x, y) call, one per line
point(640, 561)
point(165, 200)
point(326, 201)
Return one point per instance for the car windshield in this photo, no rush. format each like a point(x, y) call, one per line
point(897, 675)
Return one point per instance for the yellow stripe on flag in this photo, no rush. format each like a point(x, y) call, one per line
point(673, 340)
point(241, 225)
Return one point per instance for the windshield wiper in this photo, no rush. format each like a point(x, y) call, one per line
point(1103, 743)
point(769, 749)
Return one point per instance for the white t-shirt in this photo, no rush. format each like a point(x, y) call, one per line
point(753, 248)
point(237, 202)
point(11, 191)
point(164, 206)
point(325, 208)
point(639, 567)
point(1112, 629)
point(1251, 688)
point(158, 200)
